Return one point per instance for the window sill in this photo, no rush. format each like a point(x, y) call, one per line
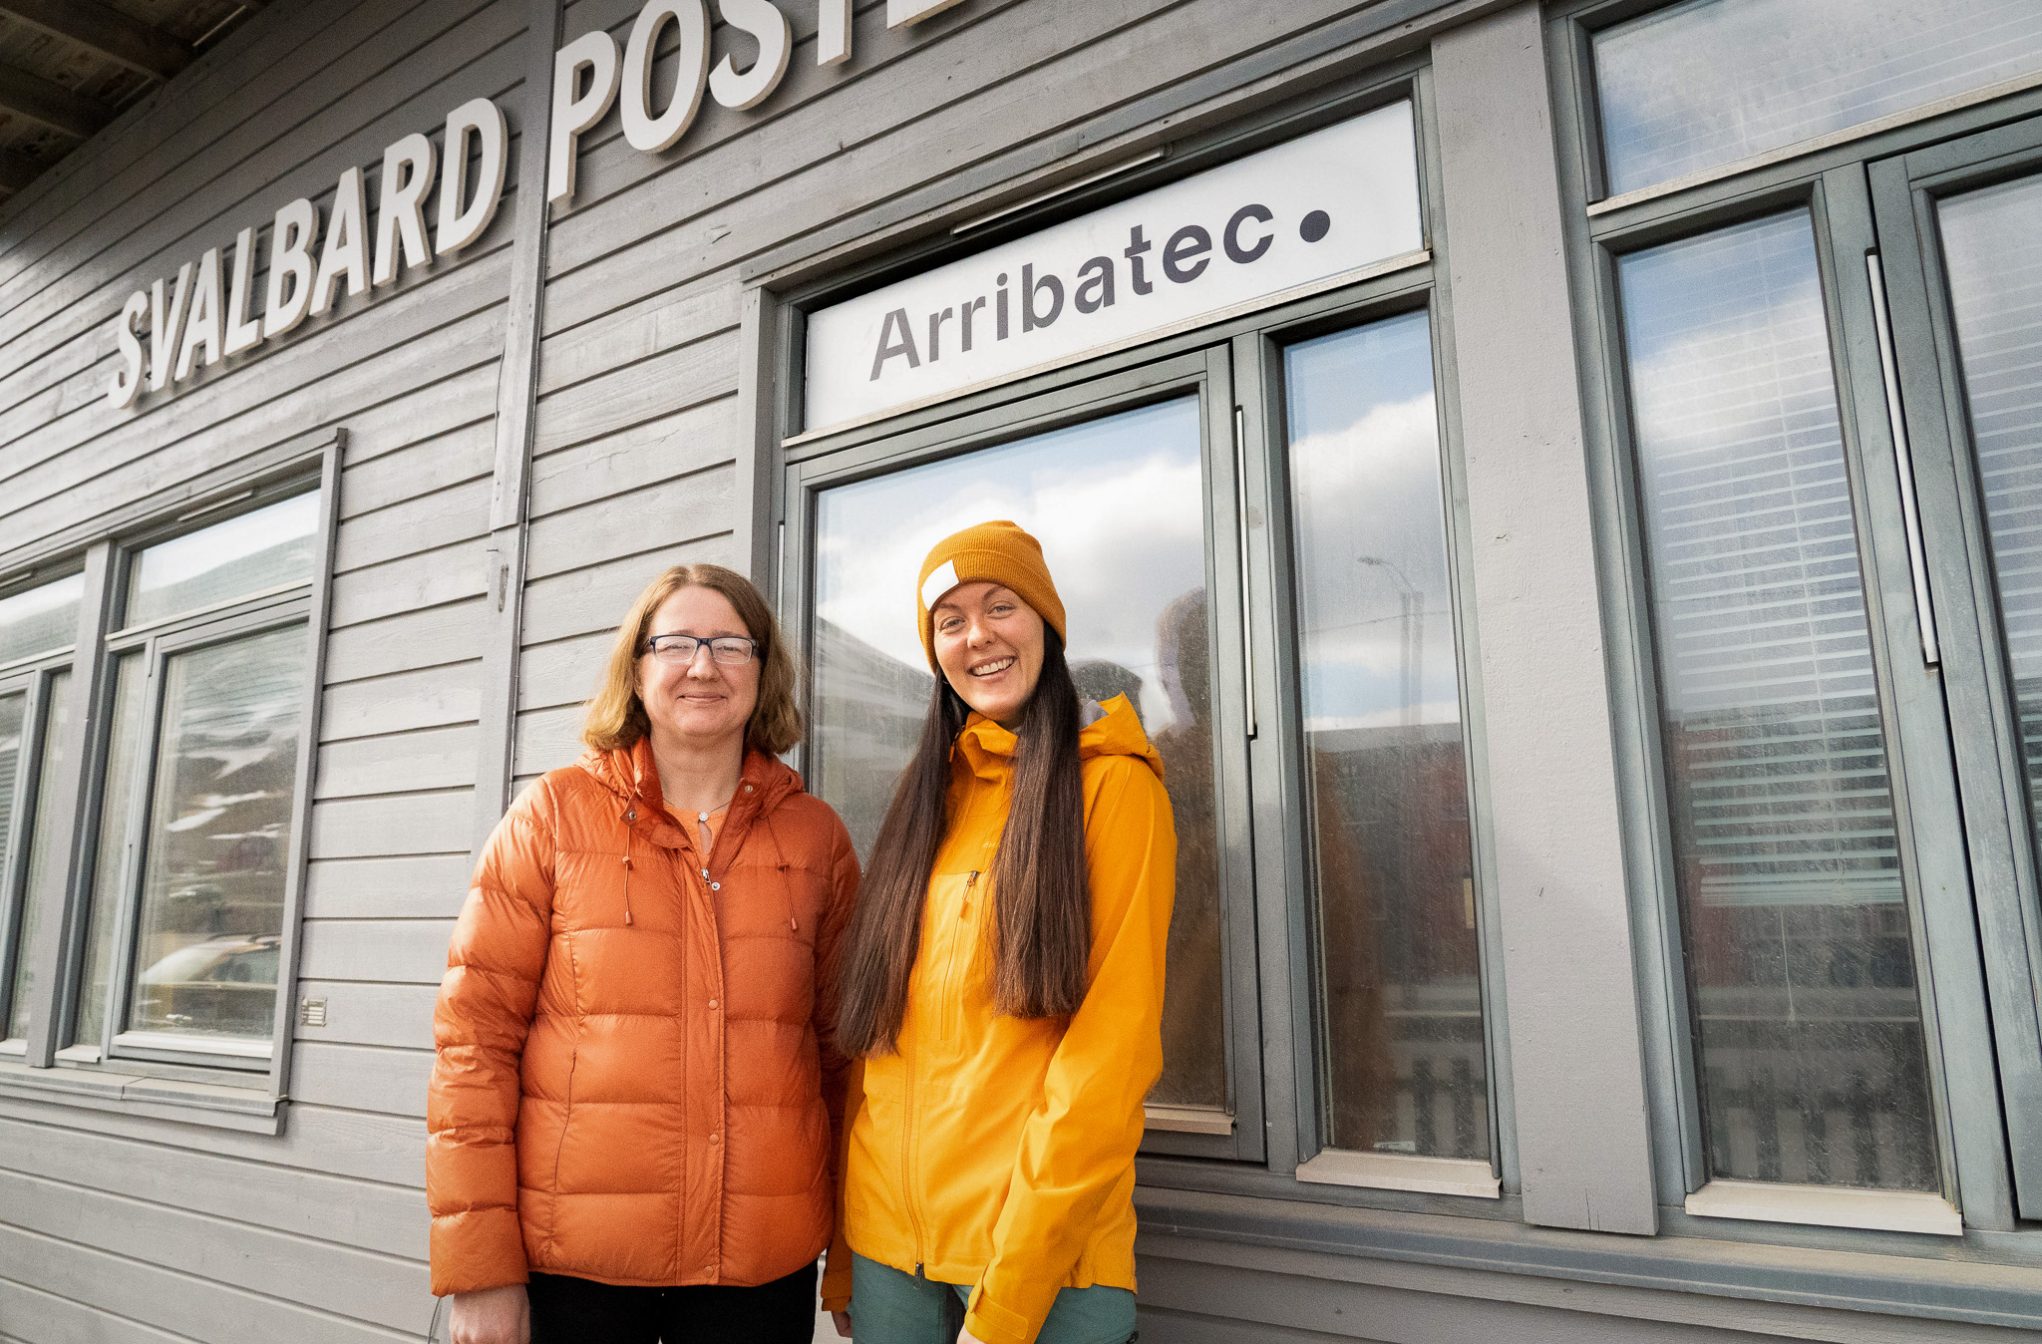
point(1188, 1120)
point(1828, 1206)
point(1392, 1171)
point(212, 1104)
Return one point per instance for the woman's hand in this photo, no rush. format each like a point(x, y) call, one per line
point(491, 1316)
point(843, 1322)
point(964, 1336)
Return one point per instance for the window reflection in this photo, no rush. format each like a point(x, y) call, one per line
point(218, 837)
point(1694, 85)
point(1992, 240)
point(124, 744)
point(40, 619)
point(1400, 968)
point(264, 548)
point(1119, 506)
point(44, 889)
point(1809, 1023)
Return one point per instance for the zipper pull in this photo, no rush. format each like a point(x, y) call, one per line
point(970, 881)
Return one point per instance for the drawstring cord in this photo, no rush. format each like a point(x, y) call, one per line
point(786, 890)
point(630, 816)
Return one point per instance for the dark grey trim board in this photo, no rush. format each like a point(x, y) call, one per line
point(517, 392)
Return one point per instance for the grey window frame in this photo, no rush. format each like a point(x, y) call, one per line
point(194, 1086)
point(1827, 177)
point(1239, 363)
point(1905, 189)
point(31, 677)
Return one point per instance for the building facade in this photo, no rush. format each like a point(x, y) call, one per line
point(1560, 482)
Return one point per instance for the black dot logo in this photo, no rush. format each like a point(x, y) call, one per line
point(1315, 226)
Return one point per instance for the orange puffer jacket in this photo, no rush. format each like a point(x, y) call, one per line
point(636, 1081)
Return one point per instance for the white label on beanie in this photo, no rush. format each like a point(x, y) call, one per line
point(940, 581)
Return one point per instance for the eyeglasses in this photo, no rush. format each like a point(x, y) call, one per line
point(729, 650)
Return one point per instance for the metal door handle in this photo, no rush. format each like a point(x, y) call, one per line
point(1241, 506)
point(1903, 464)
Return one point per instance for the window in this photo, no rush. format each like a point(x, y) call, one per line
point(191, 873)
point(1694, 86)
point(37, 626)
point(155, 752)
point(1118, 504)
point(1807, 1010)
point(1821, 451)
point(1401, 1042)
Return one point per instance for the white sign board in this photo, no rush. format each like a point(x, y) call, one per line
point(1248, 232)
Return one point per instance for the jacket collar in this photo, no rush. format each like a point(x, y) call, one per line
point(631, 777)
point(1110, 729)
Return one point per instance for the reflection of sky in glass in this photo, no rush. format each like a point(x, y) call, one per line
point(263, 548)
point(1696, 85)
point(39, 619)
point(1372, 576)
point(1117, 503)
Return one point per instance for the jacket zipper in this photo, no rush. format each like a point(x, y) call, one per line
point(953, 991)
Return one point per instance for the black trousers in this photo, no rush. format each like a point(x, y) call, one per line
point(568, 1310)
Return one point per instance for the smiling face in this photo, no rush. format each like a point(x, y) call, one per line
point(989, 645)
point(701, 703)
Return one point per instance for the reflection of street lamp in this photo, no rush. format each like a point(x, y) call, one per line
point(1411, 611)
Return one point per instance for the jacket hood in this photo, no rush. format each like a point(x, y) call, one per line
point(1111, 729)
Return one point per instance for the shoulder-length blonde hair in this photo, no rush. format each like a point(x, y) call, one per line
point(616, 716)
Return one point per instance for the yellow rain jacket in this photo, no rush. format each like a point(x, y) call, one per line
point(999, 1152)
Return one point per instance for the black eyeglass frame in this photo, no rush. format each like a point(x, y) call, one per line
point(686, 646)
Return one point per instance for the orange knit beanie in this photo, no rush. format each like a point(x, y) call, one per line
point(995, 552)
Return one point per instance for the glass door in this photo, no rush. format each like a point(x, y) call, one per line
point(1128, 481)
point(1959, 229)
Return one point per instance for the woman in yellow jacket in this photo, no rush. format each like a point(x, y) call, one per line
point(1003, 981)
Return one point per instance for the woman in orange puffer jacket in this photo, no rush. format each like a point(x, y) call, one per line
point(636, 1097)
point(1003, 979)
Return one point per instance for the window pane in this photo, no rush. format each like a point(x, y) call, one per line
point(13, 725)
point(219, 837)
point(1400, 995)
point(1784, 840)
point(1700, 84)
point(1992, 242)
point(41, 619)
point(1119, 506)
point(45, 886)
point(263, 549)
point(124, 744)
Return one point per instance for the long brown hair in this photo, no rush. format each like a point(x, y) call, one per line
point(1042, 906)
point(616, 716)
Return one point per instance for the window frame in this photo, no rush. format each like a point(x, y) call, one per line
point(1826, 178)
point(203, 1086)
point(1907, 191)
point(30, 677)
point(1244, 345)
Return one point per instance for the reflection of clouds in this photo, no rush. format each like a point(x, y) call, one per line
point(1370, 521)
point(1118, 505)
point(1697, 85)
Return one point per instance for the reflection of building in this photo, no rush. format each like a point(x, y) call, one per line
point(867, 709)
point(1401, 950)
